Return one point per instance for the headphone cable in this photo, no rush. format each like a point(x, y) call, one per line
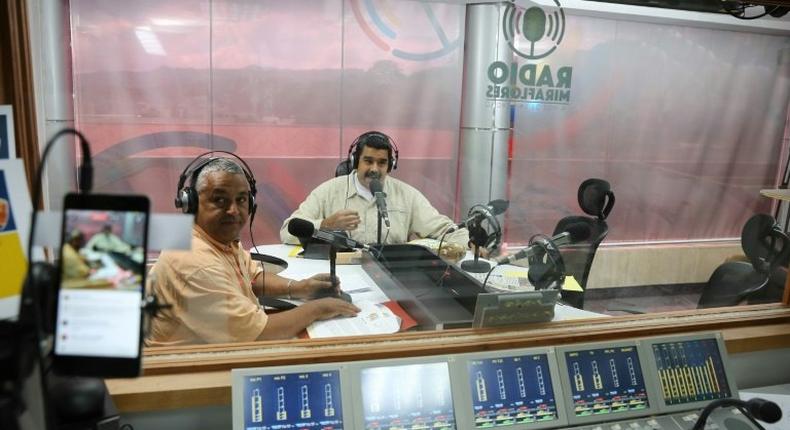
point(29, 296)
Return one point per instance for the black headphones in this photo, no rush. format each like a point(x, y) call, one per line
point(546, 266)
point(355, 150)
point(481, 236)
point(764, 243)
point(187, 195)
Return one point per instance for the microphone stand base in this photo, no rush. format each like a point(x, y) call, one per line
point(475, 266)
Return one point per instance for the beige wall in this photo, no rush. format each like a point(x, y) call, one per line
point(629, 265)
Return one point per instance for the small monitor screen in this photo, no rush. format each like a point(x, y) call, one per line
point(407, 397)
point(511, 390)
point(606, 381)
point(309, 400)
point(101, 283)
point(691, 371)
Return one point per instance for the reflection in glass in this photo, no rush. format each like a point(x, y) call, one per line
point(395, 397)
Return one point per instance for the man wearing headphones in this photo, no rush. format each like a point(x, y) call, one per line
point(214, 288)
point(346, 202)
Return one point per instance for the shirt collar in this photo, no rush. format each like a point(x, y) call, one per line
point(201, 234)
point(361, 190)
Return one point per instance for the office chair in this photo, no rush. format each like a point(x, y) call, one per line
point(595, 199)
point(343, 168)
point(759, 280)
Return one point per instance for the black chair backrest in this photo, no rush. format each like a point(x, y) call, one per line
point(762, 279)
point(595, 198)
point(578, 257)
point(343, 168)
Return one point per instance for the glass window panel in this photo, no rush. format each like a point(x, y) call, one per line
point(685, 123)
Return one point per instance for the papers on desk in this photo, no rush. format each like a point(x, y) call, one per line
point(373, 318)
point(571, 284)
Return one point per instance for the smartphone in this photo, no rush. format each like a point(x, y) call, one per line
point(101, 279)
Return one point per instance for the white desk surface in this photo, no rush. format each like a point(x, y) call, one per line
point(356, 282)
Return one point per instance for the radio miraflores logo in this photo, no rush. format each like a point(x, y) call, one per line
point(533, 25)
point(532, 34)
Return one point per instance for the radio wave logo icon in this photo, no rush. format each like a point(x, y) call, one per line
point(390, 25)
point(543, 31)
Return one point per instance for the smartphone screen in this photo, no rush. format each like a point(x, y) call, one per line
point(102, 278)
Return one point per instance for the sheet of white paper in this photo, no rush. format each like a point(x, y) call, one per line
point(358, 284)
point(373, 318)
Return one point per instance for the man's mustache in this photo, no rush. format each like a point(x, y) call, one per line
point(373, 175)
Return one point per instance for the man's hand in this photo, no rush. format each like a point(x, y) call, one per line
point(326, 308)
point(344, 219)
point(319, 285)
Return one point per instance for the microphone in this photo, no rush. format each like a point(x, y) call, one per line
point(764, 410)
point(305, 229)
point(493, 208)
point(381, 199)
point(574, 233)
point(760, 409)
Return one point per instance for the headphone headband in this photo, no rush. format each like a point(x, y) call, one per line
point(355, 150)
point(189, 170)
point(186, 195)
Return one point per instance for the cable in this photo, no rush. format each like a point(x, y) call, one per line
point(441, 240)
point(263, 268)
point(30, 298)
point(386, 236)
point(85, 183)
point(487, 275)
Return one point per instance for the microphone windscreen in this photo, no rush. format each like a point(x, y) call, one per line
point(301, 228)
point(579, 231)
point(499, 206)
point(764, 410)
point(375, 186)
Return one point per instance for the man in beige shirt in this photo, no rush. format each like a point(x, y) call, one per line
point(74, 264)
point(214, 288)
point(346, 202)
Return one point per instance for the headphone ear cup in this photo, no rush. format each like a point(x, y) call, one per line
point(394, 152)
point(182, 200)
point(191, 201)
point(253, 206)
point(537, 273)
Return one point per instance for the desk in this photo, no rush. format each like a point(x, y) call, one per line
point(353, 280)
point(356, 281)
